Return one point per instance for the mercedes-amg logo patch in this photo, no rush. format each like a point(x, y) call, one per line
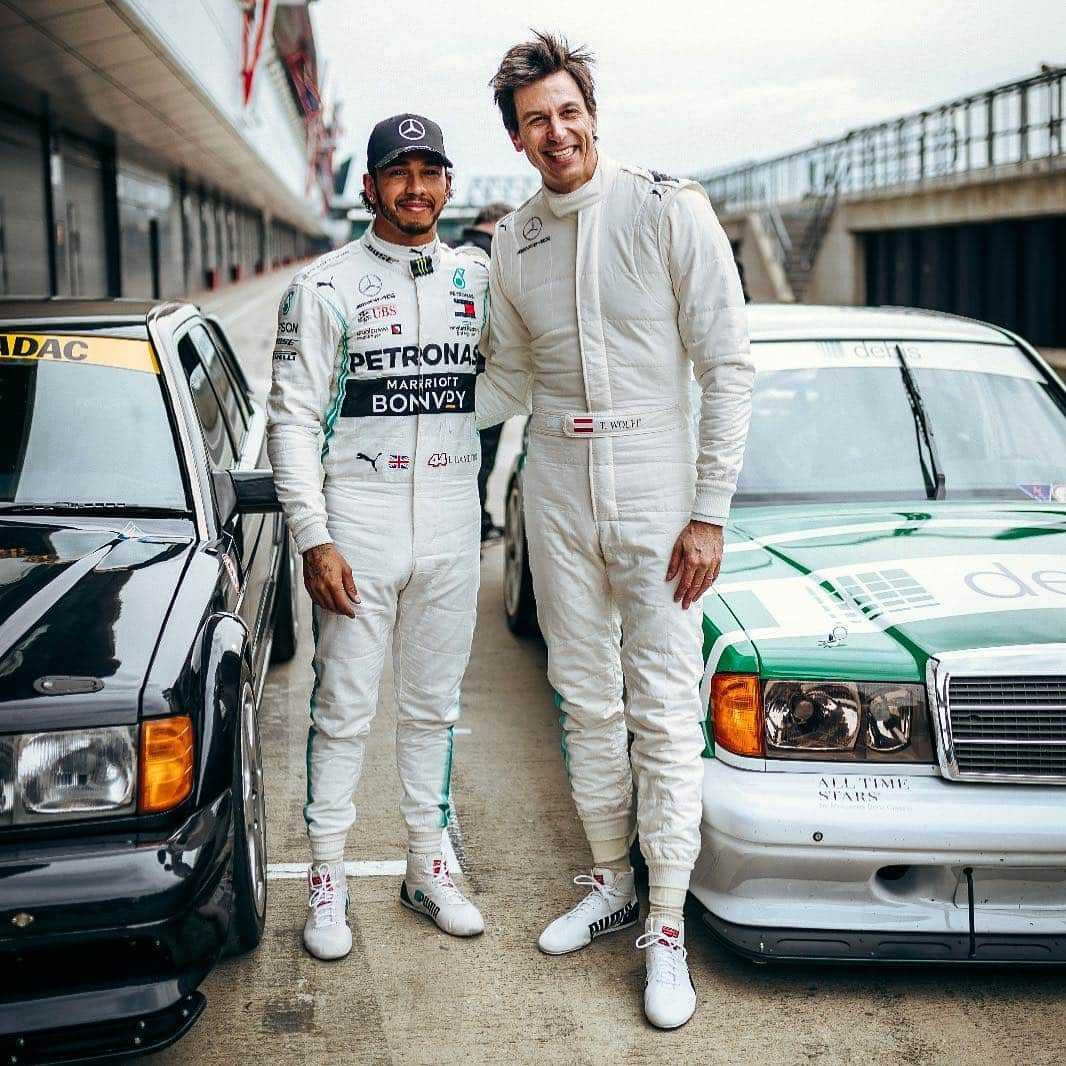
point(412, 130)
point(370, 284)
point(531, 230)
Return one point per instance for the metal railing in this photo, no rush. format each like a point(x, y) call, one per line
point(510, 189)
point(775, 228)
point(1009, 124)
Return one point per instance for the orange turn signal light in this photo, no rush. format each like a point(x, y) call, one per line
point(736, 713)
point(166, 762)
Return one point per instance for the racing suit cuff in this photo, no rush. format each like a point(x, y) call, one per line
point(712, 505)
point(611, 827)
point(312, 536)
point(669, 875)
point(329, 848)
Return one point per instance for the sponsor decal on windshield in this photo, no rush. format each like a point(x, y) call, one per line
point(1045, 492)
point(118, 352)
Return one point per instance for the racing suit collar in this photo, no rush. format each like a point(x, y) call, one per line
point(398, 257)
point(562, 204)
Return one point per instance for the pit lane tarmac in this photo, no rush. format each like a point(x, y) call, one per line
point(408, 993)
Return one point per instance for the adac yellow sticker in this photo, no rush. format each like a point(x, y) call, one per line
point(119, 352)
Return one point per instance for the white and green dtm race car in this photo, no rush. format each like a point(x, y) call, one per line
point(885, 647)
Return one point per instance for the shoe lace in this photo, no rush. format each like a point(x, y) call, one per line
point(323, 900)
point(599, 890)
point(667, 960)
point(442, 879)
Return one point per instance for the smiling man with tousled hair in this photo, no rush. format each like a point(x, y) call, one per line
point(609, 289)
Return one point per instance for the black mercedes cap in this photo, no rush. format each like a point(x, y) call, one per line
point(404, 133)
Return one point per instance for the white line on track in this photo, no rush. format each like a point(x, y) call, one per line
point(297, 871)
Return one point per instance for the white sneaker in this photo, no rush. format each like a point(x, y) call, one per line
point(611, 905)
point(669, 994)
point(326, 932)
point(428, 889)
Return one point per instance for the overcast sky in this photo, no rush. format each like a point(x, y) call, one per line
point(682, 87)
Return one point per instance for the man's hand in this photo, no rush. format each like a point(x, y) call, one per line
point(697, 557)
point(328, 579)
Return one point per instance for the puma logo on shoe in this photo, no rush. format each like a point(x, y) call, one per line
point(426, 903)
point(373, 462)
point(429, 890)
point(623, 917)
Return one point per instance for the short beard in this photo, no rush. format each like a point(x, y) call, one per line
point(412, 229)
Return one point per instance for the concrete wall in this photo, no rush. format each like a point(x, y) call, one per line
point(204, 38)
point(764, 277)
point(1026, 191)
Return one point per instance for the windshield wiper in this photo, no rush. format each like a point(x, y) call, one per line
point(932, 472)
point(87, 507)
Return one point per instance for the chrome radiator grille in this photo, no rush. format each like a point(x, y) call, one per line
point(1008, 725)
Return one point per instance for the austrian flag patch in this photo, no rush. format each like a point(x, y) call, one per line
point(582, 425)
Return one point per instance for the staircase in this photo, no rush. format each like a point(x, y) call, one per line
point(805, 229)
point(799, 229)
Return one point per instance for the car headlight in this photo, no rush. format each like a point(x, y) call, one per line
point(811, 715)
point(858, 720)
point(84, 771)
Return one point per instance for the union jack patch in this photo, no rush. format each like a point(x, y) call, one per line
point(399, 462)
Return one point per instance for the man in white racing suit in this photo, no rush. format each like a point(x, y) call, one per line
point(375, 457)
point(609, 289)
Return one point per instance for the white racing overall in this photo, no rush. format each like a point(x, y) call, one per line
point(604, 303)
point(372, 441)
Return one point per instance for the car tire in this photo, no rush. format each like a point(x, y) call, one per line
point(248, 907)
point(286, 616)
point(519, 603)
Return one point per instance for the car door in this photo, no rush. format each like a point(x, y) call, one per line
point(252, 455)
point(234, 442)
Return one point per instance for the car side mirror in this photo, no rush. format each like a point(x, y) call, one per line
point(245, 492)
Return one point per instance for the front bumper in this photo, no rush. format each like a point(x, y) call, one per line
point(112, 938)
point(871, 865)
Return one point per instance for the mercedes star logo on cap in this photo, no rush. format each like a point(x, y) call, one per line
point(412, 130)
point(394, 136)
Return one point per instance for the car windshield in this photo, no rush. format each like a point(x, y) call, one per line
point(831, 420)
point(83, 423)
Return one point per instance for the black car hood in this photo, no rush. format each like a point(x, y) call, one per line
point(80, 614)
